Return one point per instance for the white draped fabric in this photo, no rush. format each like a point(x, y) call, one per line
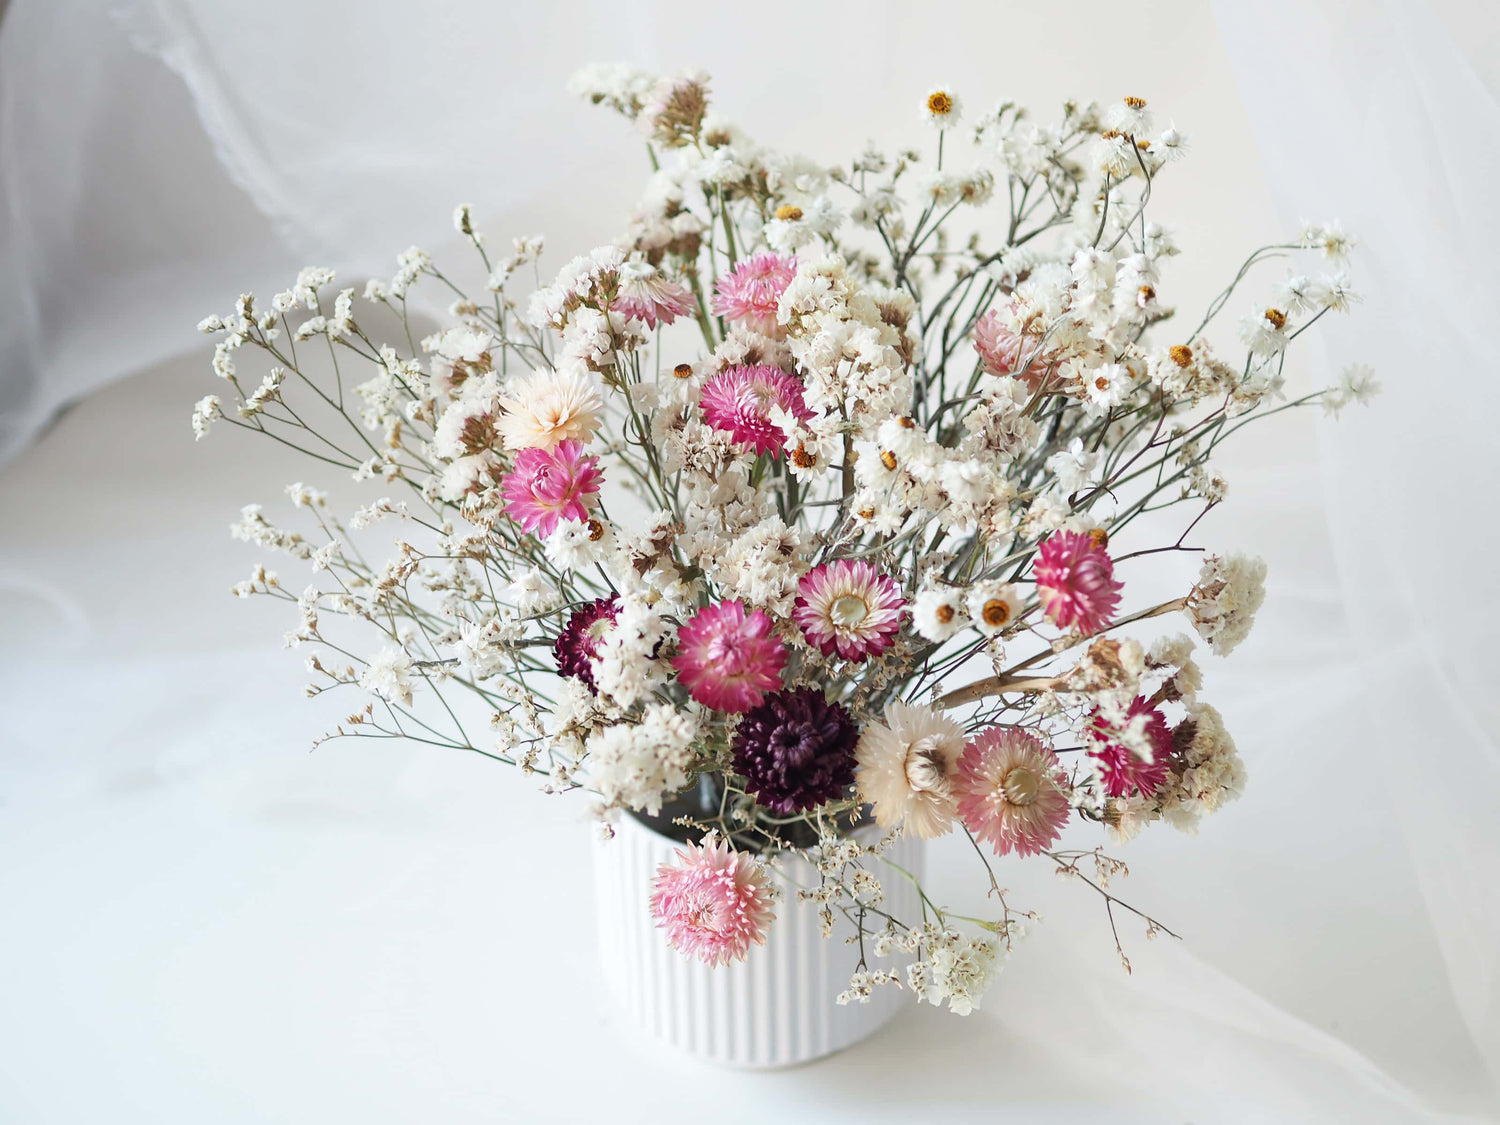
point(204, 922)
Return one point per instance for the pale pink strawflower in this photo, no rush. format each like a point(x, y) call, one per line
point(714, 902)
point(547, 407)
point(1003, 350)
point(548, 486)
point(728, 659)
point(739, 401)
point(647, 294)
point(1010, 791)
point(749, 294)
point(848, 607)
point(905, 769)
point(1075, 581)
point(1121, 762)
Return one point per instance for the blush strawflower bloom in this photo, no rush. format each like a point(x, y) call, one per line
point(551, 485)
point(548, 407)
point(905, 768)
point(848, 607)
point(728, 659)
point(1075, 581)
point(1010, 793)
point(714, 902)
point(578, 642)
point(749, 294)
point(795, 750)
point(739, 400)
point(1002, 350)
point(645, 294)
point(1124, 768)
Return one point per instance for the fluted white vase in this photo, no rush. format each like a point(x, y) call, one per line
point(776, 1008)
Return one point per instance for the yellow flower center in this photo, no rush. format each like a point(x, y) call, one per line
point(1021, 786)
point(848, 611)
point(789, 212)
point(888, 459)
point(1277, 318)
point(944, 614)
point(1182, 355)
point(683, 370)
point(940, 103)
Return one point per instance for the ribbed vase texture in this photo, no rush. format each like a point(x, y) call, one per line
point(777, 1007)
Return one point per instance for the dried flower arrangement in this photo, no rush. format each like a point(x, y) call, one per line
point(714, 522)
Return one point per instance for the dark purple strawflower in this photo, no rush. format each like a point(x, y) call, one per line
point(578, 643)
point(795, 750)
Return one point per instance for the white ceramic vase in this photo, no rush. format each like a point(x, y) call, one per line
point(774, 1009)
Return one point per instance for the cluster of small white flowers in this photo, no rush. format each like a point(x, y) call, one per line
point(1223, 603)
point(957, 969)
point(637, 765)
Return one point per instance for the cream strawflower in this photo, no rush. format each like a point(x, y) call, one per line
point(548, 407)
point(906, 768)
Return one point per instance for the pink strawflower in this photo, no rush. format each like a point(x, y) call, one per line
point(1124, 769)
point(1075, 581)
point(739, 400)
point(1002, 350)
point(646, 294)
point(714, 902)
point(551, 485)
point(1010, 791)
point(848, 607)
point(728, 659)
point(748, 294)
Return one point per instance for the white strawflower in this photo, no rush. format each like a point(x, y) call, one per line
point(388, 675)
point(1222, 605)
point(548, 407)
point(942, 107)
point(906, 766)
point(994, 605)
point(1263, 333)
point(939, 612)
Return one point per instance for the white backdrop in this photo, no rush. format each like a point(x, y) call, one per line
point(206, 922)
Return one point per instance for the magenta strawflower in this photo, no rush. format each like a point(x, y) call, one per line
point(1075, 581)
point(848, 607)
point(748, 295)
point(1124, 768)
point(578, 642)
point(728, 659)
point(646, 294)
point(1002, 350)
point(551, 485)
point(714, 902)
point(739, 401)
point(1011, 791)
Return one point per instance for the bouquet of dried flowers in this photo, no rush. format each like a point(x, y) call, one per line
point(813, 500)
